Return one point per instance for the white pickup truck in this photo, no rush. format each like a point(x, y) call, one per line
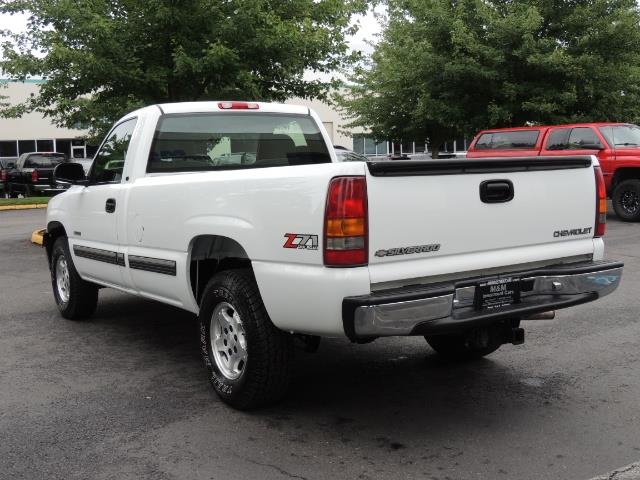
point(240, 213)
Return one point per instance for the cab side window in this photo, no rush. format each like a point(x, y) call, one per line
point(579, 138)
point(109, 161)
point(583, 138)
point(558, 139)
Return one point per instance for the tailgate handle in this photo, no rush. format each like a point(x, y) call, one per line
point(496, 191)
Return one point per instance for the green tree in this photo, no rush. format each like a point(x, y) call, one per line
point(450, 67)
point(102, 58)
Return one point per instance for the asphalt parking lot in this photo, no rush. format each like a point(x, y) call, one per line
point(124, 395)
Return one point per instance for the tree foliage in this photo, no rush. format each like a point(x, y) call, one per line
point(102, 58)
point(450, 67)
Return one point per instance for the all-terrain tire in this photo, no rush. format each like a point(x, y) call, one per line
point(76, 298)
point(249, 365)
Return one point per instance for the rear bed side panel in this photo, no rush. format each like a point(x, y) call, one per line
point(256, 208)
point(308, 299)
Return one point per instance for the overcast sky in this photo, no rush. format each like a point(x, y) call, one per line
point(369, 27)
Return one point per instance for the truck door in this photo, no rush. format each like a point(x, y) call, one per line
point(94, 239)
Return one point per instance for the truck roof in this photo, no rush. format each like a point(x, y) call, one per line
point(224, 106)
point(546, 127)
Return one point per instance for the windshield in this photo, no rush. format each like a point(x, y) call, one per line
point(624, 135)
point(43, 160)
point(198, 142)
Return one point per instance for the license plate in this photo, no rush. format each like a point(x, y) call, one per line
point(498, 293)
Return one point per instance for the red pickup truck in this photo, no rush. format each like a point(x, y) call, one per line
point(617, 146)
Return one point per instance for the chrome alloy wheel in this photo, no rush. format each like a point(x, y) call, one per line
point(62, 279)
point(228, 341)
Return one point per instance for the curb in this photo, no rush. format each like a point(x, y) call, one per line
point(37, 237)
point(23, 207)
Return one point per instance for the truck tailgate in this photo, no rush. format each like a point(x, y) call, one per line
point(440, 217)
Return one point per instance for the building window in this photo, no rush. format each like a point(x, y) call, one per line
point(63, 145)
point(407, 148)
point(44, 145)
point(9, 149)
point(26, 146)
point(366, 145)
point(91, 150)
point(358, 144)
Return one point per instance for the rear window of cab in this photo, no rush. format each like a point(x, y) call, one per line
point(231, 141)
point(520, 139)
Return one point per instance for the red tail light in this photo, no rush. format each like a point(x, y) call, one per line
point(238, 106)
point(34, 176)
point(345, 223)
point(3, 175)
point(601, 204)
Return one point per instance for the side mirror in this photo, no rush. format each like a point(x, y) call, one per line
point(70, 174)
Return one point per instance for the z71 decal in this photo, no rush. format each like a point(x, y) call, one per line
point(301, 241)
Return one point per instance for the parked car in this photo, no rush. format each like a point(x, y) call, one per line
point(33, 174)
point(617, 146)
point(6, 163)
point(288, 243)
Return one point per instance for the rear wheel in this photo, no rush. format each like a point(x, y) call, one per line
point(12, 194)
point(248, 359)
point(76, 298)
point(626, 200)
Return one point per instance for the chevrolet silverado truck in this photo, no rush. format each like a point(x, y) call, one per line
point(617, 146)
point(240, 213)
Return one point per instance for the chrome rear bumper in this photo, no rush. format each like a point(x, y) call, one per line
point(448, 308)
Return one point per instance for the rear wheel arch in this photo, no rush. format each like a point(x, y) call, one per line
point(210, 254)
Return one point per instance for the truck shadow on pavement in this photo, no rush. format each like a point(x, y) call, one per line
point(347, 389)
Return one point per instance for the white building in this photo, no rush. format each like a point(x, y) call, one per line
point(35, 133)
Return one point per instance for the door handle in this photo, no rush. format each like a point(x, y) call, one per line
point(496, 191)
point(110, 206)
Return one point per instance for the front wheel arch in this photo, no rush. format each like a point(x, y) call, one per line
point(54, 230)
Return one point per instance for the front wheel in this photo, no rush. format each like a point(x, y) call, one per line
point(626, 200)
point(76, 298)
point(248, 359)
